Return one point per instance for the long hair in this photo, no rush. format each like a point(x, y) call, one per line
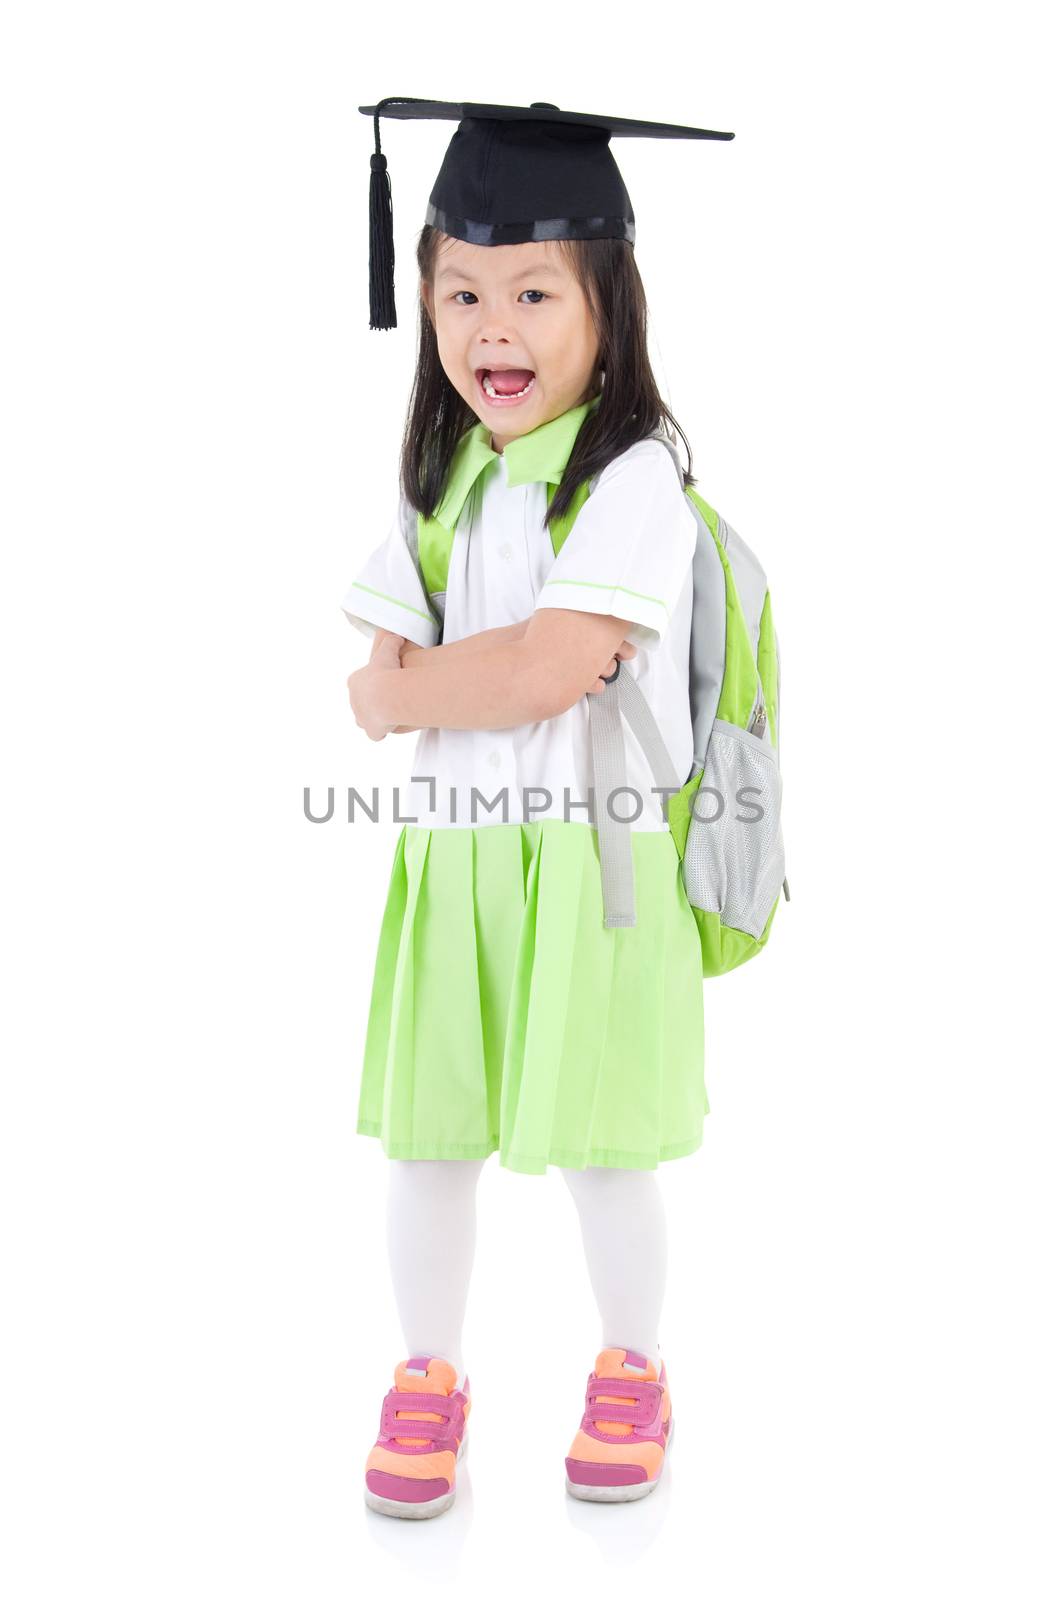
point(630, 408)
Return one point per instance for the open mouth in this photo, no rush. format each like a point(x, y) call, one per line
point(505, 386)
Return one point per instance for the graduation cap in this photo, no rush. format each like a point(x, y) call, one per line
point(509, 175)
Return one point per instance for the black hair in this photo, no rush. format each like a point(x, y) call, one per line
point(631, 407)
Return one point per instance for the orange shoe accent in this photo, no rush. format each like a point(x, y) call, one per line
point(643, 1454)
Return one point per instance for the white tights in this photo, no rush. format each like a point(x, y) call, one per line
point(430, 1226)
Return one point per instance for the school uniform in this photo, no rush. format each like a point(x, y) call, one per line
point(504, 1015)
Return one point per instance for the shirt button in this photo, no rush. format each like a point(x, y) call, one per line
point(494, 758)
point(505, 552)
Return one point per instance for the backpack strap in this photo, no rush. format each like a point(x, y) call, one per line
point(622, 698)
point(430, 545)
point(563, 525)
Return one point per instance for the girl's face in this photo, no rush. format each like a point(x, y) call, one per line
point(517, 307)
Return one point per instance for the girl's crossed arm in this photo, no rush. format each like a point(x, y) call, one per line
point(501, 681)
point(411, 654)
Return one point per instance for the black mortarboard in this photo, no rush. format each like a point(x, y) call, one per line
point(509, 175)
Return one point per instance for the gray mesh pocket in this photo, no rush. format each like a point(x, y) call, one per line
point(734, 859)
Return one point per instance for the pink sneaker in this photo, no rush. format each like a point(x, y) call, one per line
point(619, 1450)
point(411, 1469)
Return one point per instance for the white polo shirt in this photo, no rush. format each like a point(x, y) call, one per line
point(629, 554)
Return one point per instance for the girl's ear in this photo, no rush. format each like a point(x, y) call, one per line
point(427, 295)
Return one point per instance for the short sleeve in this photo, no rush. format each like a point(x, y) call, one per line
point(631, 547)
point(388, 591)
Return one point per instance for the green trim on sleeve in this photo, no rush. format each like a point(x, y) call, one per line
point(616, 588)
point(395, 602)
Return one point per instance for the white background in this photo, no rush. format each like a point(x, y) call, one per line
point(854, 319)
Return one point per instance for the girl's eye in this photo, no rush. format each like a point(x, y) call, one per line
point(540, 296)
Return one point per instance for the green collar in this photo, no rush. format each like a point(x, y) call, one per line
point(540, 456)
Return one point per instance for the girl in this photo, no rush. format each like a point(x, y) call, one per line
point(504, 1015)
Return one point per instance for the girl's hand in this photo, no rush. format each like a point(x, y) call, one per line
point(384, 637)
point(625, 652)
point(407, 647)
point(363, 684)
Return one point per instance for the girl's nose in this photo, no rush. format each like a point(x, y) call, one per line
point(493, 328)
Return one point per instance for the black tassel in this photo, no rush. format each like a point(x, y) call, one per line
point(382, 310)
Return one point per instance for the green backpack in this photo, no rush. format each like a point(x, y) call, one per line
point(732, 863)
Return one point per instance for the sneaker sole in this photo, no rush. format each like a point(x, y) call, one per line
point(613, 1492)
point(414, 1510)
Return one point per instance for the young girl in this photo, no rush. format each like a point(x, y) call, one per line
point(504, 1014)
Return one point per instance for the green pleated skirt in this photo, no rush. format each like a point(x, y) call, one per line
point(505, 1016)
